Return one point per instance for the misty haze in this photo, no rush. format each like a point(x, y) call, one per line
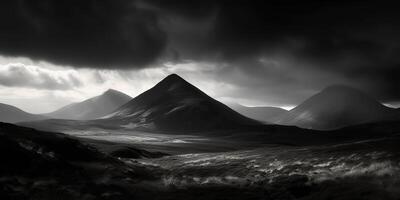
point(186, 99)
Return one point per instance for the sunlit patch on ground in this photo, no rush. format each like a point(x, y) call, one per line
point(134, 137)
point(272, 166)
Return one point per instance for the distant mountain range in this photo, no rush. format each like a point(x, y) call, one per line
point(334, 107)
point(337, 107)
point(176, 105)
point(92, 108)
point(263, 114)
point(11, 114)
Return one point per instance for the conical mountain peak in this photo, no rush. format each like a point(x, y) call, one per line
point(173, 80)
point(174, 84)
point(111, 91)
point(175, 104)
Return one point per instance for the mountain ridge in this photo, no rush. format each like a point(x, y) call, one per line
point(267, 114)
point(334, 107)
point(12, 114)
point(92, 108)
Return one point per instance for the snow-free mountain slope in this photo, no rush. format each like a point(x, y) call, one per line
point(264, 114)
point(92, 108)
point(335, 107)
point(11, 114)
point(176, 105)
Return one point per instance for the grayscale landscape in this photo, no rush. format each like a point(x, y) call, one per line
point(200, 100)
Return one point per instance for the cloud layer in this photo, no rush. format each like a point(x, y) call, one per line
point(90, 33)
point(274, 51)
point(28, 76)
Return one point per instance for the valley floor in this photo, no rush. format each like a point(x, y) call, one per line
point(177, 166)
point(362, 170)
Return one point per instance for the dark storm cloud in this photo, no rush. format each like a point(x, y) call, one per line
point(319, 29)
point(89, 33)
point(351, 40)
point(315, 42)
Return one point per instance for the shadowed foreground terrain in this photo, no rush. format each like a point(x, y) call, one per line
point(313, 100)
point(46, 165)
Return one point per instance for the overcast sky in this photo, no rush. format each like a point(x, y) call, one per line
point(274, 53)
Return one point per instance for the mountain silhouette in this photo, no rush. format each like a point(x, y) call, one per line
point(12, 114)
point(92, 108)
point(335, 107)
point(264, 114)
point(176, 105)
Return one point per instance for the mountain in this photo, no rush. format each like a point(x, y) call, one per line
point(264, 114)
point(92, 108)
point(336, 107)
point(11, 114)
point(176, 105)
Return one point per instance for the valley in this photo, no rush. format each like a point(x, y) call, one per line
point(199, 100)
point(175, 142)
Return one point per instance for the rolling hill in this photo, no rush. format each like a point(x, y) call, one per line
point(337, 107)
point(12, 114)
point(92, 108)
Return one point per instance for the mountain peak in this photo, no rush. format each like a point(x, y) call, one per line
point(111, 91)
point(175, 83)
point(114, 94)
point(175, 104)
point(335, 107)
point(341, 96)
point(92, 108)
point(172, 79)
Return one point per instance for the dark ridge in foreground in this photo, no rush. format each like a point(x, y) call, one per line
point(46, 165)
